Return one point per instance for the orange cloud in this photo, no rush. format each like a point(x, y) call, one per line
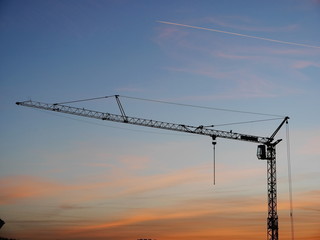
point(220, 215)
point(188, 219)
point(228, 217)
point(161, 213)
point(123, 182)
point(14, 188)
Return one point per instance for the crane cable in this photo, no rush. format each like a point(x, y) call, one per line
point(203, 107)
point(290, 180)
point(252, 121)
point(185, 105)
point(214, 159)
point(84, 100)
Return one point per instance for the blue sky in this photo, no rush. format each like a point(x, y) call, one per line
point(92, 180)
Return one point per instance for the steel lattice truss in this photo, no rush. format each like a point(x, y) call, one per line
point(272, 220)
point(201, 130)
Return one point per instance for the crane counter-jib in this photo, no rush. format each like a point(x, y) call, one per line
point(200, 130)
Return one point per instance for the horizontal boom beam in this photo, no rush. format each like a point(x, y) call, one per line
point(200, 130)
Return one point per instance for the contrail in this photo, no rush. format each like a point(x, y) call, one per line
point(241, 35)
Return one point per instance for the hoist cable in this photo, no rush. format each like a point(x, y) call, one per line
point(290, 180)
point(203, 107)
point(214, 160)
point(214, 165)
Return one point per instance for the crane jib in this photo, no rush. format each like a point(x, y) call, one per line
point(200, 130)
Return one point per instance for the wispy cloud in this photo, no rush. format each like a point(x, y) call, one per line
point(237, 57)
point(245, 23)
point(15, 188)
point(304, 64)
point(237, 70)
point(123, 183)
point(188, 217)
point(204, 217)
point(241, 83)
point(241, 35)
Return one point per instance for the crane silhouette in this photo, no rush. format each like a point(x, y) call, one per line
point(266, 149)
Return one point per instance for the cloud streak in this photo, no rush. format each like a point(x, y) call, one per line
point(241, 35)
point(16, 188)
point(226, 21)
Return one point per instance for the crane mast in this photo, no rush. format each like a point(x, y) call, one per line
point(266, 148)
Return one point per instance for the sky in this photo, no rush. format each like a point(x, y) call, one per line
point(67, 177)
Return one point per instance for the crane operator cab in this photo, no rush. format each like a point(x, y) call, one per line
point(261, 152)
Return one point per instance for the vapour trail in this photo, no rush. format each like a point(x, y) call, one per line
point(241, 35)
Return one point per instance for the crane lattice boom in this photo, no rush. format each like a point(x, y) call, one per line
point(200, 130)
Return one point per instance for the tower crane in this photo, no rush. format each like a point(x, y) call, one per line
point(266, 149)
